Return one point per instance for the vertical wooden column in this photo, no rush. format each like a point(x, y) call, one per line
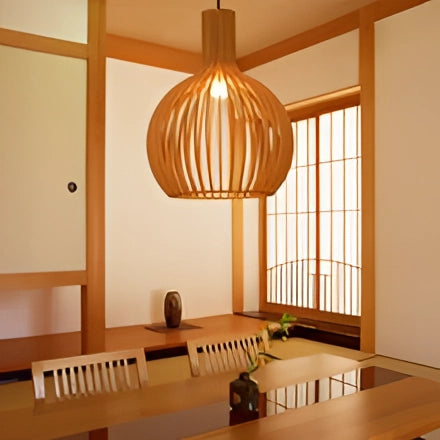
point(93, 294)
point(367, 81)
point(262, 250)
point(237, 256)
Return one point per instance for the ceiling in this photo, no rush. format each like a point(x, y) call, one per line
point(259, 23)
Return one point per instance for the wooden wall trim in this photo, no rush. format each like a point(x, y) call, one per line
point(93, 295)
point(38, 43)
point(367, 82)
point(323, 103)
point(151, 54)
point(306, 39)
point(142, 52)
point(41, 280)
point(384, 8)
point(237, 256)
point(349, 22)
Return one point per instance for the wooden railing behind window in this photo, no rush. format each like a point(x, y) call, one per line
point(336, 288)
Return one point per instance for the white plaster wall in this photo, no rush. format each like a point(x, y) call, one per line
point(408, 185)
point(155, 243)
point(66, 19)
point(325, 67)
point(39, 311)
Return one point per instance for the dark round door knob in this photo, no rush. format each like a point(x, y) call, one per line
point(72, 187)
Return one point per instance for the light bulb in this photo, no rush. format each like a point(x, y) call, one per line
point(219, 89)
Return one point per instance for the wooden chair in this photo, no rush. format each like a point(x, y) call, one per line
point(91, 373)
point(207, 357)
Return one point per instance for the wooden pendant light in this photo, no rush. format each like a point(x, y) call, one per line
point(219, 134)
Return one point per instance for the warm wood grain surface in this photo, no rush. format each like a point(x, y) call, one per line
point(71, 416)
point(19, 418)
point(279, 374)
point(18, 353)
point(399, 410)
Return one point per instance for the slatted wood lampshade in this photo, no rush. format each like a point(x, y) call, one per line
point(219, 134)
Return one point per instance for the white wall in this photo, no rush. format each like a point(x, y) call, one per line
point(408, 185)
point(322, 68)
point(155, 243)
point(39, 311)
point(65, 19)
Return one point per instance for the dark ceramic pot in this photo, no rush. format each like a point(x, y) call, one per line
point(172, 309)
point(243, 399)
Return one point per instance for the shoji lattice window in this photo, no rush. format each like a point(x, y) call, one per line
point(314, 219)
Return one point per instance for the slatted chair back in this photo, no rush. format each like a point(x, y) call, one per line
point(91, 374)
point(208, 357)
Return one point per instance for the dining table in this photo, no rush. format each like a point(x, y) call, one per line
point(206, 397)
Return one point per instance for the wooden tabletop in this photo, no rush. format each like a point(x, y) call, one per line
point(399, 410)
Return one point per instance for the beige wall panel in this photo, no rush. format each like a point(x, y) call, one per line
point(63, 19)
point(408, 185)
point(42, 129)
point(39, 311)
point(322, 68)
point(155, 243)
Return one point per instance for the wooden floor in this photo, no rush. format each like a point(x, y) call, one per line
point(18, 353)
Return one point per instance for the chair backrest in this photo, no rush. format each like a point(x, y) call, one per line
point(91, 373)
point(207, 357)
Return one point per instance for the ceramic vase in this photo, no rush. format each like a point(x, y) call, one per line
point(243, 399)
point(172, 309)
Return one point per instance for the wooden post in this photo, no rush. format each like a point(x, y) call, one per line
point(366, 79)
point(93, 294)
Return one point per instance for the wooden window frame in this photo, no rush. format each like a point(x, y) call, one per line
point(313, 107)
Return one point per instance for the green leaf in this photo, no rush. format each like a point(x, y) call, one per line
point(287, 317)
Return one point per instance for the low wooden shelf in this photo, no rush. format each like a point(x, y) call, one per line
point(17, 354)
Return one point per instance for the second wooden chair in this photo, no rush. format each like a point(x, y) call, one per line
point(207, 357)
